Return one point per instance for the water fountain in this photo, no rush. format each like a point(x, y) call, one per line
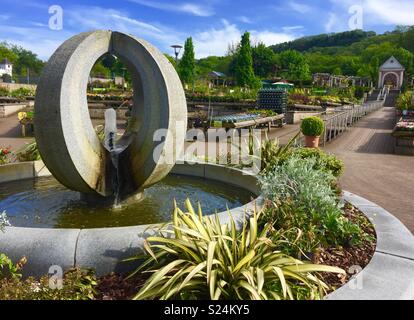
point(69, 219)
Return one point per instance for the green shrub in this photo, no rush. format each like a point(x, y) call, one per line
point(4, 92)
point(304, 201)
point(29, 152)
point(77, 284)
point(10, 270)
point(271, 152)
point(323, 161)
point(22, 93)
point(208, 260)
point(312, 126)
point(404, 101)
point(359, 92)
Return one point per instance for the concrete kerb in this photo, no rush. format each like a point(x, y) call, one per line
point(102, 249)
point(390, 274)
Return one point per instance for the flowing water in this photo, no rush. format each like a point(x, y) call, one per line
point(45, 203)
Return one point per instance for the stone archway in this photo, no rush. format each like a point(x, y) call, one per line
point(391, 79)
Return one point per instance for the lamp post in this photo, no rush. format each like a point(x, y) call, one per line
point(123, 78)
point(177, 48)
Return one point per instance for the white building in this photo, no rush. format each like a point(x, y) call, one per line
point(391, 73)
point(6, 68)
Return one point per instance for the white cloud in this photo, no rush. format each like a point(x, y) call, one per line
point(40, 40)
point(270, 38)
point(384, 12)
point(135, 22)
point(216, 41)
point(332, 22)
point(39, 24)
point(37, 37)
point(292, 28)
point(190, 8)
point(101, 18)
point(299, 7)
point(245, 19)
point(391, 11)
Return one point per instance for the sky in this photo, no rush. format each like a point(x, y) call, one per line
point(41, 26)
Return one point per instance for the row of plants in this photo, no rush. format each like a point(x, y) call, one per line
point(29, 152)
point(20, 93)
point(404, 126)
point(108, 96)
point(325, 97)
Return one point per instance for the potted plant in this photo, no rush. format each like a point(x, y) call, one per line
point(312, 128)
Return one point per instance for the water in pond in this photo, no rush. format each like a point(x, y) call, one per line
point(44, 203)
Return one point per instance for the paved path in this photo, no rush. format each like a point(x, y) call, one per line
point(372, 170)
point(11, 134)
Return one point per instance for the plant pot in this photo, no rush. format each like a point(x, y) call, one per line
point(312, 141)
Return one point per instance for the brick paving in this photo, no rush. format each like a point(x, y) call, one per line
point(372, 170)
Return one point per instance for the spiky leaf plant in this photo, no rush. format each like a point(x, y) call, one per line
point(200, 258)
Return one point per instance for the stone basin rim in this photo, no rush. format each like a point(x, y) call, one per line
point(104, 249)
point(197, 172)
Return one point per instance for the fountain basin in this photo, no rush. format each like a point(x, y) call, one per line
point(103, 249)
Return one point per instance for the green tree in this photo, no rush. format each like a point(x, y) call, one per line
point(99, 70)
point(265, 61)
point(294, 66)
point(26, 60)
point(186, 67)
point(337, 71)
point(171, 59)
point(244, 64)
point(6, 53)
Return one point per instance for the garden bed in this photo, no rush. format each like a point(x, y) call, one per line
point(350, 258)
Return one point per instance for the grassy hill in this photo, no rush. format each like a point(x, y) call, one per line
point(342, 39)
point(354, 52)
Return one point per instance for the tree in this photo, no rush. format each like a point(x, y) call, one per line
point(295, 66)
point(186, 67)
point(244, 64)
point(171, 59)
point(99, 70)
point(264, 61)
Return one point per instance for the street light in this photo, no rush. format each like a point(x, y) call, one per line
point(123, 78)
point(177, 48)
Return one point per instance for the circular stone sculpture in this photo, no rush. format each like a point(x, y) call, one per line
point(64, 133)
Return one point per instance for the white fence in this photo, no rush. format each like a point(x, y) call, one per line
point(339, 123)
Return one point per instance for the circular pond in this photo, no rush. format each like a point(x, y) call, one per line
point(45, 203)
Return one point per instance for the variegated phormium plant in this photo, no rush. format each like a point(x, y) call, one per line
point(200, 258)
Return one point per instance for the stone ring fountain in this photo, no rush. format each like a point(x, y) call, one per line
point(65, 220)
point(65, 136)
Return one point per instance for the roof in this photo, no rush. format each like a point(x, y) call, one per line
point(217, 74)
point(392, 64)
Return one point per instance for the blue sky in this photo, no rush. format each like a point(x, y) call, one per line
point(213, 24)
